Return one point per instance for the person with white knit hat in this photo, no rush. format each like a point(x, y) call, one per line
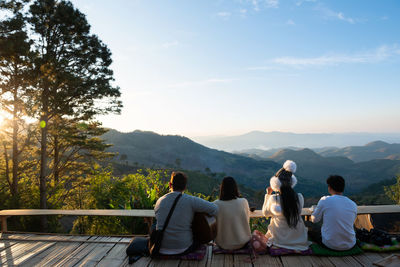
point(286, 229)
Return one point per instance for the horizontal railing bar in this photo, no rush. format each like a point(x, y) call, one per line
point(150, 213)
point(33, 212)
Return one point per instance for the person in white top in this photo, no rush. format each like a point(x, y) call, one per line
point(286, 229)
point(338, 214)
point(233, 229)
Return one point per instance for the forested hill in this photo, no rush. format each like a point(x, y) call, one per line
point(373, 150)
point(357, 174)
point(149, 149)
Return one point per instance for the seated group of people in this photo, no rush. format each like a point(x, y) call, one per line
point(286, 229)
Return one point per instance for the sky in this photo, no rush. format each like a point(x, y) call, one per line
point(228, 67)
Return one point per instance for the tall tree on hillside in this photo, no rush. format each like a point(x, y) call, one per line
point(74, 78)
point(15, 79)
point(75, 147)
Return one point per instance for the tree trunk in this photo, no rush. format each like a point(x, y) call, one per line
point(43, 160)
point(15, 160)
point(7, 166)
point(56, 171)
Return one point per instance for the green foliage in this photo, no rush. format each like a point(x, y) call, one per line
point(165, 151)
point(374, 194)
point(393, 191)
point(102, 190)
point(260, 224)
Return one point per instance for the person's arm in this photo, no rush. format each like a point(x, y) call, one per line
point(316, 216)
point(156, 211)
point(301, 201)
point(247, 209)
point(201, 205)
point(266, 209)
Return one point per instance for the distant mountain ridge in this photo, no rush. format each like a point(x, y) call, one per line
point(370, 151)
point(154, 150)
point(149, 149)
point(268, 140)
point(358, 174)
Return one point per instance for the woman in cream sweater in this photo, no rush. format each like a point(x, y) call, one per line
point(233, 217)
point(286, 229)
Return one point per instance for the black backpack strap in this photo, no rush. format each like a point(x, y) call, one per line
point(171, 211)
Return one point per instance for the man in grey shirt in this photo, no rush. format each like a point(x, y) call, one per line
point(178, 237)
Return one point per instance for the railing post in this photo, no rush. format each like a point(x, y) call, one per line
point(3, 223)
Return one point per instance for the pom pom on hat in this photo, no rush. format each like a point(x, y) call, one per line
point(275, 183)
point(290, 166)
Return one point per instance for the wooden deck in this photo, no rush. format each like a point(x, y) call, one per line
point(64, 250)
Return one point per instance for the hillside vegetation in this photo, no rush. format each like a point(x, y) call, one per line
point(153, 150)
point(148, 149)
point(373, 150)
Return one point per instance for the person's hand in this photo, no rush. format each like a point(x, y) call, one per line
point(313, 207)
point(269, 190)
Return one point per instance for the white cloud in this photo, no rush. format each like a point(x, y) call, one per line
point(299, 3)
point(380, 54)
point(243, 12)
point(272, 3)
point(290, 22)
point(224, 14)
point(330, 14)
point(341, 16)
point(260, 4)
point(170, 44)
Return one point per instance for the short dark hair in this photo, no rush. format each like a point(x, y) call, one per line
point(228, 189)
point(178, 181)
point(336, 182)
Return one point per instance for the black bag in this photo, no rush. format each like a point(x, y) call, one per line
point(156, 236)
point(155, 242)
point(137, 248)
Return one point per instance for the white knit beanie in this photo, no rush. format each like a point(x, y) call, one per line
point(289, 166)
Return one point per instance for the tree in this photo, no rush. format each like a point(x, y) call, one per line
point(15, 78)
point(75, 147)
point(56, 71)
point(73, 75)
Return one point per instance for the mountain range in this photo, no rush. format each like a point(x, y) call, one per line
point(373, 150)
point(370, 151)
point(153, 150)
point(268, 140)
point(357, 174)
point(148, 149)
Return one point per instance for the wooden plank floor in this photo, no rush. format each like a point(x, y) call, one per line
point(63, 250)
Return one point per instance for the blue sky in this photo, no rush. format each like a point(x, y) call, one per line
point(224, 67)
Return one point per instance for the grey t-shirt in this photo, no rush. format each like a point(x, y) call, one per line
point(178, 234)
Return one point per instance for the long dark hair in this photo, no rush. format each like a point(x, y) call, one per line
point(289, 198)
point(228, 189)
